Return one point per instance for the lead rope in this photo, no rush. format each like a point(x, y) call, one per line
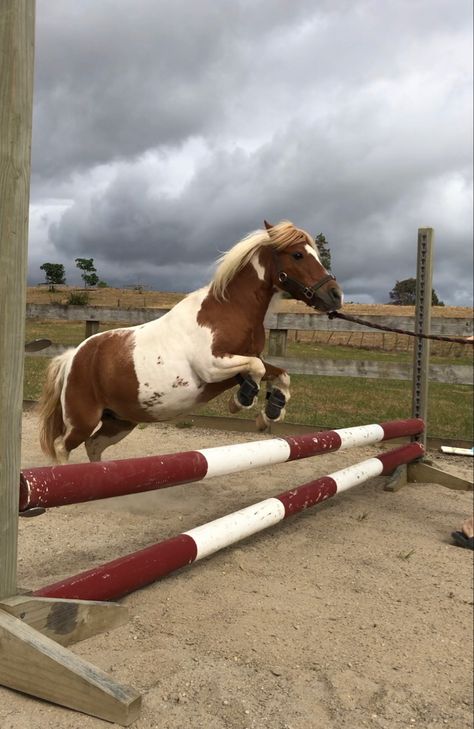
point(356, 320)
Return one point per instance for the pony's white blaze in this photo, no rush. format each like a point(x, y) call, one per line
point(243, 456)
point(258, 268)
point(209, 538)
point(361, 435)
point(312, 252)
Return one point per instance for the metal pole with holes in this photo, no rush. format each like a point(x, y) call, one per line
point(421, 352)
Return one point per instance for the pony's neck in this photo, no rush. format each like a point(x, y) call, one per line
point(252, 287)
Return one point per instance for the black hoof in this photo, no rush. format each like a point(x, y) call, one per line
point(461, 540)
point(247, 391)
point(275, 403)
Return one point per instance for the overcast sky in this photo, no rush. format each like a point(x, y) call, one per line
point(166, 130)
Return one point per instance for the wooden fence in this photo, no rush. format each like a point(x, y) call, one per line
point(278, 325)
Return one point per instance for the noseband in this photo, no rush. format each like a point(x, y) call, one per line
point(292, 286)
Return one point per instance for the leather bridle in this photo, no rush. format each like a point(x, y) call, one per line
point(295, 287)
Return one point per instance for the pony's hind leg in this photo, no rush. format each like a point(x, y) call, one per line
point(110, 432)
point(80, 422)
point(61, 453)
point(76, 433)
point(77, 430)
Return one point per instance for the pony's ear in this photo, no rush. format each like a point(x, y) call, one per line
point(267, 225)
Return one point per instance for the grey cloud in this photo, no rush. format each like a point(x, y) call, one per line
point(114, 80)
point(226, 198)
point(343, 116)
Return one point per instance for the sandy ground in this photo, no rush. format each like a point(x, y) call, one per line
point(357, 613)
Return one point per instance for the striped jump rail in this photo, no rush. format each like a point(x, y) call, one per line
point(115, 579)
point(50, 486)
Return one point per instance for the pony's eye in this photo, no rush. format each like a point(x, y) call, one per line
point(297, 256)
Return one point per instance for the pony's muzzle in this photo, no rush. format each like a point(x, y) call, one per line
point(335, 296)
point(330, 295)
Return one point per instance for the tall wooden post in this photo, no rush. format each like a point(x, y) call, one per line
point(17, 29)
point(421, 356)
point(32, 633)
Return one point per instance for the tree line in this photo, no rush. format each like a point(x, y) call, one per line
point(55, 273)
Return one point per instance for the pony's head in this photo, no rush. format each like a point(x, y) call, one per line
point(286, 258)
point(297, 268)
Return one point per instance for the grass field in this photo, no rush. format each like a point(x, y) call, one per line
point(341, 402)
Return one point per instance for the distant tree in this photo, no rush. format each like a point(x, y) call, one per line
point(404, 294)
point(54, 274)
point(89, 271)
point(324, 251)
point(434, 299)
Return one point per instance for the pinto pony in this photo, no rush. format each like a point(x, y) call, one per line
point(209, 342)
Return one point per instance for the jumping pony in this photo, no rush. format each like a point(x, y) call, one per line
point(209, 342)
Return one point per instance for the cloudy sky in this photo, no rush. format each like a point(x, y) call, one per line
point(166, 130)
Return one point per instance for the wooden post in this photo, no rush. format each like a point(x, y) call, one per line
point(421, 356)
point(277, 342)
point(92, 327)
point(32, 659)
point(17, 28)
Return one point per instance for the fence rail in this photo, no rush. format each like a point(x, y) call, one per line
point(278, 325)
point(372, 369)
point(93, 313)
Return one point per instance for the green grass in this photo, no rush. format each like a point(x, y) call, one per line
point(309, 350)
point(339, 402)
point(68, 333)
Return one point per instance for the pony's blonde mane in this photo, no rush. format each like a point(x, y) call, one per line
point(280, 236)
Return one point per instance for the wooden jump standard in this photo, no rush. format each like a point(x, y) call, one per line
point(50, 486)
point(126, 574)
point(34, 631)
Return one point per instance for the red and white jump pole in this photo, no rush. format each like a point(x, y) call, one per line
point(126, 574)
point(51, 486)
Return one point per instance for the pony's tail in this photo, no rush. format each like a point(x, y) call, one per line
point(49, 409)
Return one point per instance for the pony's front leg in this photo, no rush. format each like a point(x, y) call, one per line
point(249, 370)
point(278, 394)
point(246, 396)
